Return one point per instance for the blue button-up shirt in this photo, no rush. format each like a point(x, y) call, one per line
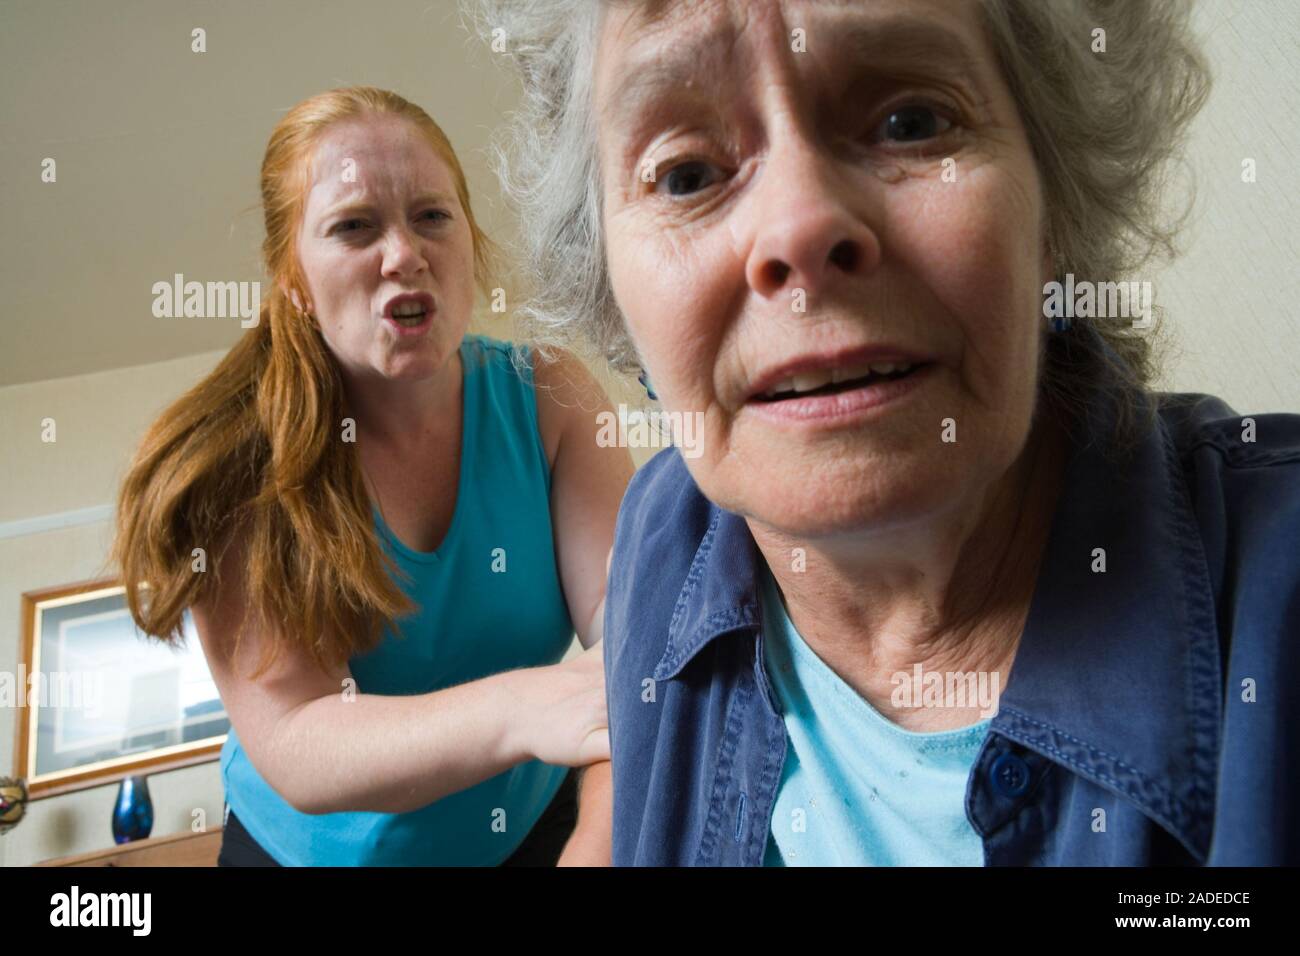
point(1151, 715)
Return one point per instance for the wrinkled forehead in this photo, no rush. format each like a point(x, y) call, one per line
point(374, 158)
point(644, 44)
point(627, 23)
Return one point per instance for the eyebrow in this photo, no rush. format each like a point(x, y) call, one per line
point(886, 44)
point(643, 83)
point(350, 207)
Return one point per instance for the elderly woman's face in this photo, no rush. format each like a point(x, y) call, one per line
point(835, 187)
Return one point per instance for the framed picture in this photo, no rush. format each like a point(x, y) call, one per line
point(102, 700)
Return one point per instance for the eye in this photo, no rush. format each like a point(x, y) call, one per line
point(349, 225)
point(687, 177)
point(911, 124)
point(437, 214)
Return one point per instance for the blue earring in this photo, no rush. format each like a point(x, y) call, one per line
point(644, 379)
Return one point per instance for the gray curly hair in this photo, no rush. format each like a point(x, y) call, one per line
point(1103, 130)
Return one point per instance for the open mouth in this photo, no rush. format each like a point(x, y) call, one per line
point(410, 312)
point(834, 381)
point(410, 318)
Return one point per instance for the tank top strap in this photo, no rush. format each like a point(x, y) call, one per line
point(503, 410)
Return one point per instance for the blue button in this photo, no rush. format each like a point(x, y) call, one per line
point(1010, 775)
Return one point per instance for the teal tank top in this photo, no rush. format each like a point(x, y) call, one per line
point(489, 600)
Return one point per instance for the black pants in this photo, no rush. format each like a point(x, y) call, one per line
point(541, 847)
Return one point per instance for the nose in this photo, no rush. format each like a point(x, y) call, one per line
point(806, 232)
point(402, 255)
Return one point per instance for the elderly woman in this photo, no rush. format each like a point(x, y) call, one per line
point(946, 584)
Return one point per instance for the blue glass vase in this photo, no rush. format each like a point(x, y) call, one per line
point(133, 811)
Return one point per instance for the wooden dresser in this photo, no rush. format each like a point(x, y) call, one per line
point(179, 849)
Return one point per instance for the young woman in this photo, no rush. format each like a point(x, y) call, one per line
point(388, 529)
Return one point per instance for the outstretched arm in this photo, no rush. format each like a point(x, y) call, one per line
point(326, 747)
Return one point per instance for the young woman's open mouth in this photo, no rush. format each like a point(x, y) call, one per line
point(410, 313)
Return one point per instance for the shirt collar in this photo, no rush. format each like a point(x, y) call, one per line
point(720, 594)
point(1117, 677)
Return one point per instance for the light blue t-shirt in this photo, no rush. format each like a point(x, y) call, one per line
point(856, 789)
point(489, 600)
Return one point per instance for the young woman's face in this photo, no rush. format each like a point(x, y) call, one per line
point(382, 219)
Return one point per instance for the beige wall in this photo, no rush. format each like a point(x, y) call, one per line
point(1231, 297)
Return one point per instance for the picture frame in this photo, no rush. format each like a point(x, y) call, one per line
point(99, 701)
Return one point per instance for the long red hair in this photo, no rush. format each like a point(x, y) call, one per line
point(255, 446)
